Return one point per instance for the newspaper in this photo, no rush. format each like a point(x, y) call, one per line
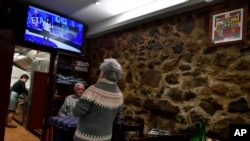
point(159, 132)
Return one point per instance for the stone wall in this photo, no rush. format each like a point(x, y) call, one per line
point(172, 78)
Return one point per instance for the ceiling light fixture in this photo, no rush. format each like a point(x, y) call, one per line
point(97, 2)
point(208, 0)
point(148, 8)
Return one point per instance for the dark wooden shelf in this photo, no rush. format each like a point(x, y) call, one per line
point(61, 99)
point(68, 65)
point(71, 69)
point(61, 83)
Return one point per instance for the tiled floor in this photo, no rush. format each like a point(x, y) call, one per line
point(19, 134)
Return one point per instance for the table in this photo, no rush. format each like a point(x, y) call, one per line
point(172, 137)
point(63, 128)
point(65, 123)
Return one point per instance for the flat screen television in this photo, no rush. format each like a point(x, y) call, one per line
point(52, 30)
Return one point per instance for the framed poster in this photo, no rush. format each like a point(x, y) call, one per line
point(228, 26)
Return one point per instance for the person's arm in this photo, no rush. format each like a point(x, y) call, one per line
point(83, 105)
point(118, 115)
point(63, 110)
point(81, 108)
point(43, 24)
point(51, 26)
point(24, 90)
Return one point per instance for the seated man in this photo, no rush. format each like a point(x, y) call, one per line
point(65, 112)
point(70, 100)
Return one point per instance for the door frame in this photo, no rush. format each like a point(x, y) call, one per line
point(7, 47)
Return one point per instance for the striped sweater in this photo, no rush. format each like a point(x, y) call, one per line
point(97, 109)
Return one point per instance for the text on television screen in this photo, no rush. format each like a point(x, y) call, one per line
point(46, 28)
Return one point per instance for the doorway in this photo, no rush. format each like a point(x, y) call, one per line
point(27, 61)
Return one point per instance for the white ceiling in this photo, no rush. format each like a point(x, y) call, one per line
point(112, 15)
point(109, 16)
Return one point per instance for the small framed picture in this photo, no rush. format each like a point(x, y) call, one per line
point(228, 26)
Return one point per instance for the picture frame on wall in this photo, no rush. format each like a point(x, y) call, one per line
point(228, 26)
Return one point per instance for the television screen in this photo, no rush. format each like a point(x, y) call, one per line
point(52, 30)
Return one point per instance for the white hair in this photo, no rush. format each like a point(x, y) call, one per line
point(111, 69)
point(77, 84)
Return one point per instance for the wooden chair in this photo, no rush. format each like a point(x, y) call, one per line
point(131, 127)
point(116, 131)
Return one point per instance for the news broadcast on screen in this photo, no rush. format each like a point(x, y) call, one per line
point(52, 30)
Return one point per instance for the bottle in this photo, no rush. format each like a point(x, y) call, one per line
point(196, 133)
point(202, 135)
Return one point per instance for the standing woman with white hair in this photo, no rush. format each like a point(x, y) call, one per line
point(100, 105)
